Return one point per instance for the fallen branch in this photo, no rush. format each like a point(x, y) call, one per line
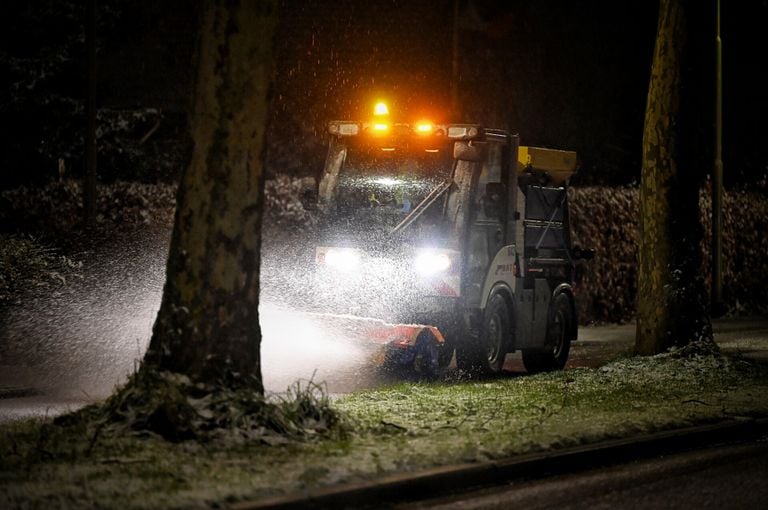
point(695, 401)
point(395, 425)
point(123, 461)
point(150, 132)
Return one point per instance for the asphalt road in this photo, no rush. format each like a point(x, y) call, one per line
point(60, 350)
point(294, 347)
point(722, 477)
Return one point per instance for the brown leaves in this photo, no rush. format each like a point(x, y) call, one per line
point(606, 220)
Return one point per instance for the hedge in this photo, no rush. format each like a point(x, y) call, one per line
point(602, 218)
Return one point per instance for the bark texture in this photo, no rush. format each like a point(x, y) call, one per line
point(671, 297)
point(208, 326)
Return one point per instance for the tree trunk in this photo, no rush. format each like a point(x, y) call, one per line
point(671, 297)
point(208, 325)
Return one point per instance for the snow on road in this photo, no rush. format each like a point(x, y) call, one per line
point(81, 342)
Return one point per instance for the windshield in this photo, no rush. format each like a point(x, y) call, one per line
point(379, 186)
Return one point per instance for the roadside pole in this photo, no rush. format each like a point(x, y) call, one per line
point(717, 179)
point(455, 64)
point(89, 182)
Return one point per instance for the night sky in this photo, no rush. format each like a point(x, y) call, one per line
point(570, 75)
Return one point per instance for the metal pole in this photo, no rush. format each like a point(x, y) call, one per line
point(455, 64)
point(89, 184)
point(717, 178)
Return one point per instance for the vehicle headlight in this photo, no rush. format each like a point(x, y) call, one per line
point(430, 262)
point(343, 259)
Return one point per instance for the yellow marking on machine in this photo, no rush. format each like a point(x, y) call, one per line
point(559, 165)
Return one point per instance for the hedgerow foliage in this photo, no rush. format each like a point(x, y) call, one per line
point(602, 218)
point(606, 220)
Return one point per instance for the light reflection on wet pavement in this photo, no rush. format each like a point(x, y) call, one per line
point(75, 345)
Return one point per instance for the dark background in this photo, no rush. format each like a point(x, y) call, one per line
point(564, 74)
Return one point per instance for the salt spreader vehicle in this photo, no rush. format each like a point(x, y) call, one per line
point(455, 236)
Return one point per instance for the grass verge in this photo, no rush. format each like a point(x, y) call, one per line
point(399, 428)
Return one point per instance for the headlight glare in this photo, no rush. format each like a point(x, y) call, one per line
point(430, 262)
point(343, 259)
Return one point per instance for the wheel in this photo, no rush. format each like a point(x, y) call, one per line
point(485, 355)
point(451, 336)
point(426, 356)
point(496, 333)
point(558, 342)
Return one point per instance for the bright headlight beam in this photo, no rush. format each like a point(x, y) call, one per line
point(429, 263)
point(342, 259)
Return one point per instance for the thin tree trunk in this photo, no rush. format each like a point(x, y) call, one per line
point(671, 296)
point(208, 324)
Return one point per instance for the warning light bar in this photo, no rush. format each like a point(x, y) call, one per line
point(424, 128)
point(344, 128)
point(381, 109)
point(464, 132)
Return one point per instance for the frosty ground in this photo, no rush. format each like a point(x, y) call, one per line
point(400, 428)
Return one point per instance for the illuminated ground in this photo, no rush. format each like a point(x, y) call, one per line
point(75, 345)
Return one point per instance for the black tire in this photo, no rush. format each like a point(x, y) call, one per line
point(558, 346)
point(445, 354)
point(485, 355)
point(426, 359)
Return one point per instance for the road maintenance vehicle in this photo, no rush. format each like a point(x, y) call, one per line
point(455, 236)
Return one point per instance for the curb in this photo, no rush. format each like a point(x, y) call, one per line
point(445, 480)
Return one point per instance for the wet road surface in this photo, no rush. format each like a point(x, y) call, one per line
point(722, 477)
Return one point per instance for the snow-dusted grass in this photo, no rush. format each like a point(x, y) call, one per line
point(480, 420)
point(398, 428)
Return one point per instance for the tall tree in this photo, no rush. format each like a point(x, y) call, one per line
point(208, 325)
point(671, 308)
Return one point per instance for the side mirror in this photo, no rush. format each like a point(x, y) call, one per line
point(579, 253)
point(463, 151)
